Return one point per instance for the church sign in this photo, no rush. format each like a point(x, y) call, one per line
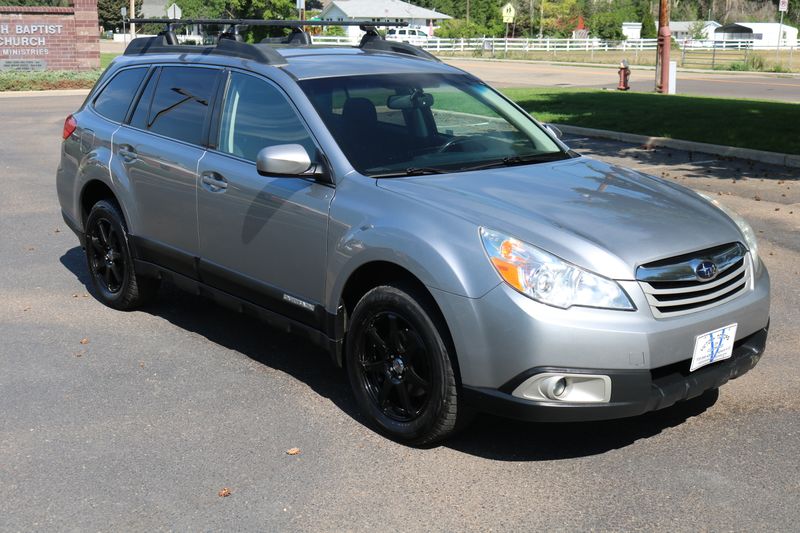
point(49, 38)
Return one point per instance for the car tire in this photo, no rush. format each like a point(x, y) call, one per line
point(400, 366)
point(110, 261)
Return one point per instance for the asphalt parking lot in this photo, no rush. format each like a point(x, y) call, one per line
point(136, 421)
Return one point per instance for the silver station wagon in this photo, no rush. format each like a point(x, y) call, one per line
point(442, 245)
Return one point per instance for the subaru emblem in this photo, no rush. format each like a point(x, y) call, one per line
point(706, 271)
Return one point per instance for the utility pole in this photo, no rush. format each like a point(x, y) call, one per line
point(133, 16)
point(467, 11)
point(664, 44)
point(541, 18)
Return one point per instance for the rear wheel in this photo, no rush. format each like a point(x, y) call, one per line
point(399, 366)
point(110, 261)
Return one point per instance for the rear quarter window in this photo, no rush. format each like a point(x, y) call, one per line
point(115, 98)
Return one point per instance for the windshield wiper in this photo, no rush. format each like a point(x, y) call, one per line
point(516, 160)
point(412, 171)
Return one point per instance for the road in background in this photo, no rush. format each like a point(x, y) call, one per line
point(141, 426)
point(730, 85)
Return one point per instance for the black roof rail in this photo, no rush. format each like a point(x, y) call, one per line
point(372, 40)
point(166, 41)
point(227, 47)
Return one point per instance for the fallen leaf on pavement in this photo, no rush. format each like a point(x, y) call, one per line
point(84, 341)
point(757, 198)
point(224, 493)
point(79, 354)
point(56, 230)
point(293, 451)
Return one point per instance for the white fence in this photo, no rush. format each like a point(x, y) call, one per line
point(489, 44)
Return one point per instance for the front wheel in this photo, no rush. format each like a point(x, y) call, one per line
point(110, 261)
point(399, 366)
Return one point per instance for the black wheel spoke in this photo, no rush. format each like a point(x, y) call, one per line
point(414, 379)
point(107, 277)
point(117, 272)
point(394, 337)
point(373, 335)
point(96, 245)
point(103, 232)
point(373, 366)
point(405, 399)
point(386, 388)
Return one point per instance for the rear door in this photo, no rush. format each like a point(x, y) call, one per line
point(262, 238)
point(158, 151)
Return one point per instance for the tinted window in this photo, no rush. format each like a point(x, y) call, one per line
point(256, 115)
point(115, 98)
point(181, 103)
point(140, 114)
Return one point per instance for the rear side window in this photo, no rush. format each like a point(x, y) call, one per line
point(180, 103)
point(115, 98)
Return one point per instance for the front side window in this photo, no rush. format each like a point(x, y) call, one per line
point(180, 103)
point(257, 115)
point(115, 98)
point(426, 123)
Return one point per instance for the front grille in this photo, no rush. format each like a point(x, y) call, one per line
point(673, 289)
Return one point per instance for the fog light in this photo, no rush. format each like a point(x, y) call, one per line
point(554, 387)
point(566, 387)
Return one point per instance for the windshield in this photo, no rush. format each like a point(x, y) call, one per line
point(393, 125)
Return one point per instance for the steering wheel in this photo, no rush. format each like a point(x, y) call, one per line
point(452, 142)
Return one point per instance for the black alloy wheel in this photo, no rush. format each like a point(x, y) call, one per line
point(393, 367)
point(398, 358)
point(111, 262)
point(106, 260)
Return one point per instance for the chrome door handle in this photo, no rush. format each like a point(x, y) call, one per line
point(214, 182)
point(127, 153)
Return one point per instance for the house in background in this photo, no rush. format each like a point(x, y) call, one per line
point(763, 34)
point(417, 17)
point(681, 30)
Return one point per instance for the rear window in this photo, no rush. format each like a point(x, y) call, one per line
point(115, 98)
point(180, 103)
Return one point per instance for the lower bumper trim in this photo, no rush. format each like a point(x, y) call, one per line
point(633, 392)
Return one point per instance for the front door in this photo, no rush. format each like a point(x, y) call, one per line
point(262, 238)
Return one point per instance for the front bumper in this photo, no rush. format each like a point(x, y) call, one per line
point(633, 392)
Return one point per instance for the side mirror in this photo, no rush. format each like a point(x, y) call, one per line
point(554, 130)
point(286, 160)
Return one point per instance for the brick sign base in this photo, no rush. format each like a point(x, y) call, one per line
point(50, 38)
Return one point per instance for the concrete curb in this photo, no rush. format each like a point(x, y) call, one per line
point(772, 158)
point(54, 92)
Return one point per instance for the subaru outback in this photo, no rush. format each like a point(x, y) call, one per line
point(448, 250)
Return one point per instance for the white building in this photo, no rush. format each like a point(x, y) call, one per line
point(632, 30)
point(418, 18)
point(681, 30)
point(763, 34)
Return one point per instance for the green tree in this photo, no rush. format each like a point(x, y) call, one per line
point(649, 30)
point(108, 12)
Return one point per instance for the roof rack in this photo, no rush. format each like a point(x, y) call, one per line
point(230, 42)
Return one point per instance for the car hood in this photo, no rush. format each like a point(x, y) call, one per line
point(602, 217)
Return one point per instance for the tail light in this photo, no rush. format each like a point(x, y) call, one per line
point(69, 127)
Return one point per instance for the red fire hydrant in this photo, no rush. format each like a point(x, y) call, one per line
point(624, 75)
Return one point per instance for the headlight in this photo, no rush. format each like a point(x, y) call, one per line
point(548, 279)
point(747, 231)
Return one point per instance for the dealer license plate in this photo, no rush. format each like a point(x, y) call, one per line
point(713, 346)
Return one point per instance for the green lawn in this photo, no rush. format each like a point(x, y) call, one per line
point(106, 58)
point(761, 125)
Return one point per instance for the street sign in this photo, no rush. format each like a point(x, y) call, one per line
point(508, 13)
point(123, 11)
point(174, 12)
point(783, 6)
point(301, 4)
